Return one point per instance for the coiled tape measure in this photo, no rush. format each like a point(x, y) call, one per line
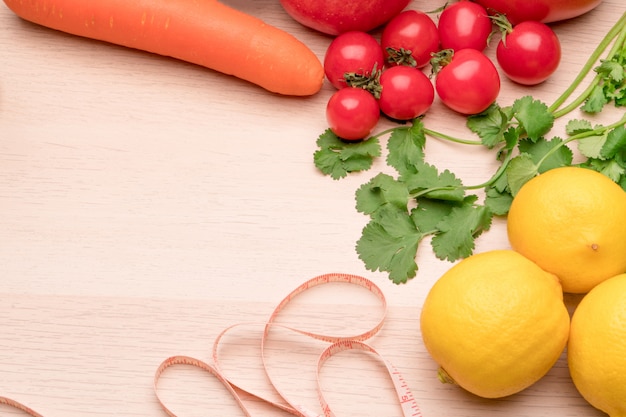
point(336, 345)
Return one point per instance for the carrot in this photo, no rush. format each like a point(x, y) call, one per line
point(203, 32)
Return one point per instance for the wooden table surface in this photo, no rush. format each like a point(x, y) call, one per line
point(146, 204)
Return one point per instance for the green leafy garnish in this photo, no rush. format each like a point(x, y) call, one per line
point(459, 229)
point(337, 158)
point(396, 238)
point(611, 84)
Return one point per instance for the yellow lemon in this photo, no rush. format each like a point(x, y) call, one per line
point(596, 350)
point(495, 323)
point(572, 222)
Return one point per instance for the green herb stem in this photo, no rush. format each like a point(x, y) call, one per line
point(485, 184)
point(388, 131)
point(439, 135)
point(430, 190)
point(494, 177)
point(619, 29)
point(509, 156)
point(595, 132)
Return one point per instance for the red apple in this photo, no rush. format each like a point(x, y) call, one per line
point(542, 10)
point(338, 16)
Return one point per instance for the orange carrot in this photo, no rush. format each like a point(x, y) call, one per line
point(203, 32)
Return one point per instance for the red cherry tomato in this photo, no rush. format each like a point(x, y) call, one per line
point(412, 32)
point(464, 25)
point(406, 92)
point(352, 52)
point(530, 53)
point(469, 83)
point(352, 113)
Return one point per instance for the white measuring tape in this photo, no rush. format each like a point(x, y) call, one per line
point(19, 406)
point(337, 344)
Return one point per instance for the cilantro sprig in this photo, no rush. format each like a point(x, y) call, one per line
point(337, 158)
point(420, 201)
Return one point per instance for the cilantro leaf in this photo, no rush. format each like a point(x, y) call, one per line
point(610, 144)
point(615, 145)
point(432, 184)
point(606, 153)
point(596, 101)
point(498, 202)
point(538, 150)
point(611, 86)
point(534, 116)
point(619, 96)
point(337, 158)
point(519, 171)
point(591, 146)
point(613, 75)
point(390, 244)
point(498, 196)
point(489, 125)
point(501, 183)
point(459, 230)
point(576, 126)
point(380, 191)
point(406, 147)
point(511, 137)
point(611, 69)
point(429, 213)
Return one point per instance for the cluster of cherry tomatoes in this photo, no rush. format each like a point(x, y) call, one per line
point(388, 76)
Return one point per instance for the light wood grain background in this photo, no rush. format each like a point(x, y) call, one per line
point(146, 203)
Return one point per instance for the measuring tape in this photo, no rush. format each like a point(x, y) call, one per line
point(19, 406)
point(337, 344)
point(405, 396)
